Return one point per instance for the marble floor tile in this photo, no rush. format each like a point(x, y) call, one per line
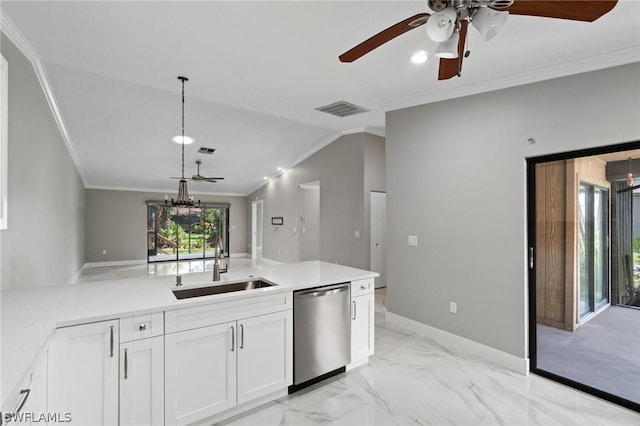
point(411, 380)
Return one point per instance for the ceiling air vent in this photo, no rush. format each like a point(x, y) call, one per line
point(342, 109)
point(205, 150)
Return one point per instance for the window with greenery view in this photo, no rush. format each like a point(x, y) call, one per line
point(181, 233)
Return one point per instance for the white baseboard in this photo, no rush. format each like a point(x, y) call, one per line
point(114, 263)
point(461, 344)
point(234, 255)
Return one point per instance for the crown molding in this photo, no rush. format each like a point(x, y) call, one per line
point(162, 191)
point(20, 41)
point(611, 59)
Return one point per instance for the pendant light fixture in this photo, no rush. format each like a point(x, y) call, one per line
point(183, 200)
point(629, 175)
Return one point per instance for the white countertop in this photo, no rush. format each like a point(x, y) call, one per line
point(30, 315)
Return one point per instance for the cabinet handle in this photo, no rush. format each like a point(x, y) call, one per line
point(23, 399)
point(233, 339)
point(111, 341)
point(241, 336)
point(142, 327)
point(354, 309)
point(126, 365)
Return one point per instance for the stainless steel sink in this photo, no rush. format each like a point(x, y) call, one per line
point(219, 289)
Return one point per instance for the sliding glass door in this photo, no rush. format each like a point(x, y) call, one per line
point(593, 237)
point(584, 318)
point(183, 233)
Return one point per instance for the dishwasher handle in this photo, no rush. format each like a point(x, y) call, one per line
point(322, 292)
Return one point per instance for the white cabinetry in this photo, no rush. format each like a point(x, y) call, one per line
point(29, 400)
point(142, 370)
point(83, 380)
point(235, 352)
point(264, 355)
point(200, 373)
point(362, 321)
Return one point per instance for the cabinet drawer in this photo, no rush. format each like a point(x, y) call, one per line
point(141, 326)
point(360, 287)
point(219, 312)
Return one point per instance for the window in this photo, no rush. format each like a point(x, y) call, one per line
point(183, 233)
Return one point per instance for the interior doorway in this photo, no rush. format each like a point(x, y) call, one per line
point(378, 232)
point(309, 225)
point(584, 271)
point(257, 223)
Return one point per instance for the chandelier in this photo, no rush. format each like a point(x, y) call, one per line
point(184, 199)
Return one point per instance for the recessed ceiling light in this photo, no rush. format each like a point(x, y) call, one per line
point(419, 57)
point(265, 178)
point(178, 140)
point(280, 169)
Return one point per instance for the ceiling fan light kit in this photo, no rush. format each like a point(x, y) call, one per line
point(488, 22)
point(441, 25)
point(448, 24)
point(448, 49)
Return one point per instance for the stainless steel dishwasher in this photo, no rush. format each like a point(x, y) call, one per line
point(321, 333)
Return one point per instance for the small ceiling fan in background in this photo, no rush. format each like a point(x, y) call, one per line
point(448, 24)
point(199, 177)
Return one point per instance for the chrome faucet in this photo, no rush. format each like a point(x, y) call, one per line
point(217, 270)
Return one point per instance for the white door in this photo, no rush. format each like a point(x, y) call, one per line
point(142, 382)
point(256, 229)
point(200, 372)
point(309, 229)
point(83, 373)
point(378, 236)
point(264, 355)
point(362, 322)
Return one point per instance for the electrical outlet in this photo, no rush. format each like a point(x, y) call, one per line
point(453, 307)
point(413, 240)
point(357, 234)
point(104, 252)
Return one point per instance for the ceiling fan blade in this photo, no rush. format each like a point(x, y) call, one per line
point(213, 178)
point(452, 67)
point(575, 10)
point(384, 36)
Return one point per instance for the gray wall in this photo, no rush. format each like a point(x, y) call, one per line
point(340, 168)
point(456, 179)
point(44, 242)
point(116, 221)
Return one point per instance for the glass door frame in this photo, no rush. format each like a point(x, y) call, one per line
point(530, 254)
point(152, 233)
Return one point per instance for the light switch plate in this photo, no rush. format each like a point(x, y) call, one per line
point(413, 240)
point(357, 234)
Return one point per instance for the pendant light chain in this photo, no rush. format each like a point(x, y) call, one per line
point(182, 141)
point(183, 200)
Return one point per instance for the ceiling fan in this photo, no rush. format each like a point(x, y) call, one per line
point(448, 24)
point(199, 177)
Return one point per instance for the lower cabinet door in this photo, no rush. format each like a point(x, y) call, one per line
point(142, 382)
point(83, 374)
point(362, 323)
point(200, 372)
point(264, 355)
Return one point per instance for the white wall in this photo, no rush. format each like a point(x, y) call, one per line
point(456, 179)
point(44, 242)
point(340, 168)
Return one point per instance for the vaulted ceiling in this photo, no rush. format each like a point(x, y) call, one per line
point(257, 72)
